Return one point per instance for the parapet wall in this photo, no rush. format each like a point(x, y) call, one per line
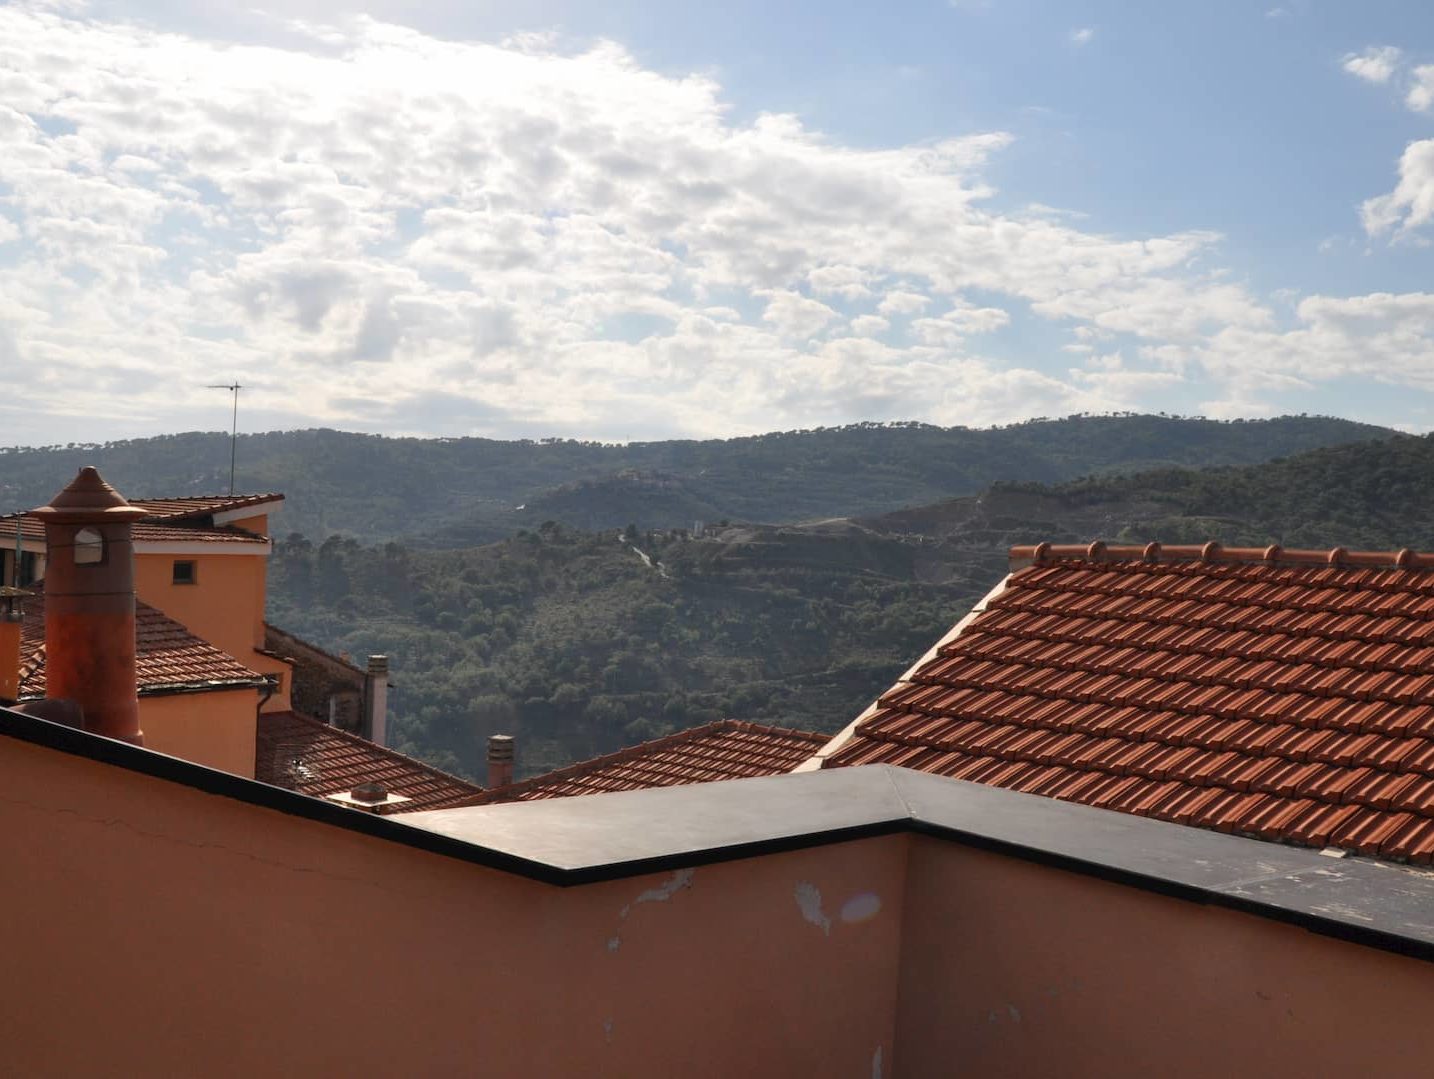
point(198, 924)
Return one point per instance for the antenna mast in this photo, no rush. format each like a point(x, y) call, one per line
point(233, 388)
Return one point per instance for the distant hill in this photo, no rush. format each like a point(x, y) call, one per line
point(460, 492)
point(1374, 495)
point(580, 642)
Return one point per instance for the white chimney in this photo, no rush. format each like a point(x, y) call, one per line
point(375, 700)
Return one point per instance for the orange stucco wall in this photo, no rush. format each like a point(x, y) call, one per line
point(1012, 969)
point(214, 729)
point(258, 524)
point(162, 931)
point(157, 930)
point(225, 606)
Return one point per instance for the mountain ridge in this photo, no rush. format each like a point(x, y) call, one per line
point(459, 492)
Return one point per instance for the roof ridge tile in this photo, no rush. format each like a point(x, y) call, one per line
point(1212, 553)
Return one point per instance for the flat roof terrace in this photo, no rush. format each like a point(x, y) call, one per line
point(863, 921)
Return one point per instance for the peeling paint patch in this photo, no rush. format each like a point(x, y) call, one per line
point(809, 902)
point(679, 880)
point(1015, 1013)
point(607, 1030)
point(614, 943)
point(876, 1064)
point(861, 908)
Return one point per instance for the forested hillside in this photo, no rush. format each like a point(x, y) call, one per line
point(460, 492)
point(596, 620)
point(580, 642)
point(1372, 495)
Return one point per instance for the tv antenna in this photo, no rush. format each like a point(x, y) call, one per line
point(233, 388)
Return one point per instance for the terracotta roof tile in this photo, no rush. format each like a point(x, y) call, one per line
point(304, 755)
point(1282, 694)
point(168, 658)
point(144, 532)
point(170, 520)
point(201, 505)
point(726, 749)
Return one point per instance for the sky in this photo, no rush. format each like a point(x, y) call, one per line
point(638, 220)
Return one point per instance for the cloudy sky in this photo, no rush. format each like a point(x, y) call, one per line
point(649, 219)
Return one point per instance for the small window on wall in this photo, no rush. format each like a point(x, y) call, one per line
point(185, 573)
point(89, 547)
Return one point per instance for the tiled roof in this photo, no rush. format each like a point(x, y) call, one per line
point(304, 755)
point(276, 639)
point(144, 532)
point(200, 505)
point(171, 520)
point(726, 749)
point(1287, 695)
point(168, 658)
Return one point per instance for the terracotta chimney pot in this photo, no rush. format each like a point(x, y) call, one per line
point(89, 604)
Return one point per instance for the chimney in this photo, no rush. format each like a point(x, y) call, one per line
point(375, 700)
point(500, 760)
point(89, 604)
point(11, 618)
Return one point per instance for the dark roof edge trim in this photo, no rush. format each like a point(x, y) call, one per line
point(1353, 932)
point(176, 689)
point(171, 689)
point(171, 769)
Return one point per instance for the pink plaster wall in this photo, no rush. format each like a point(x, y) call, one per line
point(1012, 969)
point(150, 929)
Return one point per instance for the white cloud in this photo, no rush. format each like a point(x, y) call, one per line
point(848, 282)
point(1385, 64)
point(795, 315)
point(1420, 95)
point(959, 322)
point(1117, 385)
point(402, 233)
point(900, 302)
point(1411, 203)
point(1376, 64)
point(1082, 36)
point(1388, 337)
